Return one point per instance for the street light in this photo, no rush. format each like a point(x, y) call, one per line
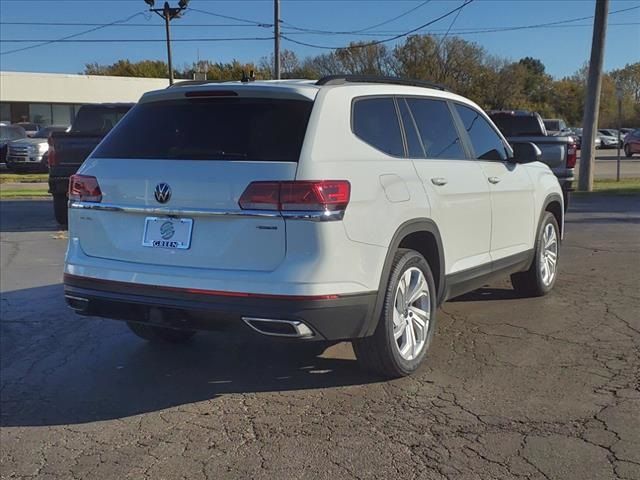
point(168, 13)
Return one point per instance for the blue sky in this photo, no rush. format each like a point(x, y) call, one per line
point(563, 49)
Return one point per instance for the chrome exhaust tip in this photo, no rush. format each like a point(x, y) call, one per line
point(79, 304)
point(279, 328)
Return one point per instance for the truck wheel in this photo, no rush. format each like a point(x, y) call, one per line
point(152, 333)
point(60, 209)
point(541, 276)
point(407, 322)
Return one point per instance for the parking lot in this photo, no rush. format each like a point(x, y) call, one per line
point(514, 388)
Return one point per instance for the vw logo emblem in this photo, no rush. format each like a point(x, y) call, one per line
point(162, 192)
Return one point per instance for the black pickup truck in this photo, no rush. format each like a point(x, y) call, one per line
point(558, 151)
point(67, 150)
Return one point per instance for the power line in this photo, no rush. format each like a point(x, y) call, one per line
point(353, 32)
point(229, 17)
point(142, 40)
point(78, 24)
point(449, 29)
point(386, 40)
point(47, 42)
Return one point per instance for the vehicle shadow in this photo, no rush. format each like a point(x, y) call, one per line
point(58, 368)
point(486, 294)
point(28, 216)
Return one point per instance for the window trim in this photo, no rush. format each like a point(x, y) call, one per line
point(472, 150)
point(398, 119)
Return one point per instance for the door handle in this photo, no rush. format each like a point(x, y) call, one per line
point(439, 181)
point(494, 180)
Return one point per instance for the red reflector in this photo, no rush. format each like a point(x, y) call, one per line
point(51, 156)
point(211, 93)
point(321, 195)
point(84, 188)
point(572, 155)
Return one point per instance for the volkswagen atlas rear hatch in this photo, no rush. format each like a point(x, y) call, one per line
point(164, 186)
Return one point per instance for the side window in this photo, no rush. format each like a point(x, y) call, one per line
point(437, 130)
point(486, 142)
point(375, 121)
point(414, 146)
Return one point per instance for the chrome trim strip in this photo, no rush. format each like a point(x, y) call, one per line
point(315, 216)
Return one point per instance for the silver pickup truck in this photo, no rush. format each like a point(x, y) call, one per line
point(558, 151)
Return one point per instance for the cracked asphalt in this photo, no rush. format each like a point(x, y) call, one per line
point(544, 388)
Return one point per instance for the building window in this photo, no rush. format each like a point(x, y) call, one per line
point(62, 114)
point(5, 112)
point(40, 113)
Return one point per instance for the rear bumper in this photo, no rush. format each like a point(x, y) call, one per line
point(330, 317)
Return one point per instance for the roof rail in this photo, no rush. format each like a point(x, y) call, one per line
point(342, 79)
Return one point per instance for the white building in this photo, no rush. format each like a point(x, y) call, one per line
point(54, 98)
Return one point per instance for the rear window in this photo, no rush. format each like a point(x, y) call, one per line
point(98, 119)
point(517, 125)
point(254, 129)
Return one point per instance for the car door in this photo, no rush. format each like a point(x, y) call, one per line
point(455, 185)
point(512, 199)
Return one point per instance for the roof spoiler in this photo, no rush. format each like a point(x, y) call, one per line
point(342, 79)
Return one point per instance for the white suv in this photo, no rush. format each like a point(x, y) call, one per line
point(343, 209)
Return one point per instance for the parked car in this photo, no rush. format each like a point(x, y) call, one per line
point(626, 131)
point(30, 128)
point(576, 133)
point(67, 150)
point(559, 152)
point(632, 143)
point(608, 141)
point(555, 126)
point(343, 209)
point(9, 133)
point(29, 153)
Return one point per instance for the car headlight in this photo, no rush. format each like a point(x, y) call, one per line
point(43, 147)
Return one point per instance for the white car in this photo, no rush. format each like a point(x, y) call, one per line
point(344, 209)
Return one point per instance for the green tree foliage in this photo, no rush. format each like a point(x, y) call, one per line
point(464, 67)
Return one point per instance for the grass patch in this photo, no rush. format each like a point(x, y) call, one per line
point(24, 177)
point(626, 186)
point(24, 193)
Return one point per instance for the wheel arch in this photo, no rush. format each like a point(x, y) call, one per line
point(553, 203)
point(423, 236)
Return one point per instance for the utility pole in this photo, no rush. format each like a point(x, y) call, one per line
point(276, 39)
point(592, 102)
point(168, 13)
point(619, 94)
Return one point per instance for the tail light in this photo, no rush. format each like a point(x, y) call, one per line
point(84, 188)
point(297, 196)
point(51, 153)
point(572, 155)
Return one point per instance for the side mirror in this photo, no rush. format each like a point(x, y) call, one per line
point(525, 152)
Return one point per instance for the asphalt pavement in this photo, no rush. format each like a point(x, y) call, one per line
point(535, 388)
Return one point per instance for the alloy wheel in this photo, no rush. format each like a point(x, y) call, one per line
point(411, 313)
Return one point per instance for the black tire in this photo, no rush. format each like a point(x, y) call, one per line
point(152, 333)
point(380, 352)
point(60, 209)
point(531, 282)
point(627, 151)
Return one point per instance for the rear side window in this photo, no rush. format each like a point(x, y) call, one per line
point(98, 120)
point(414, 146)
point(486, 143)
point(375, 121)
point(252, 129)
point(437, 129)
